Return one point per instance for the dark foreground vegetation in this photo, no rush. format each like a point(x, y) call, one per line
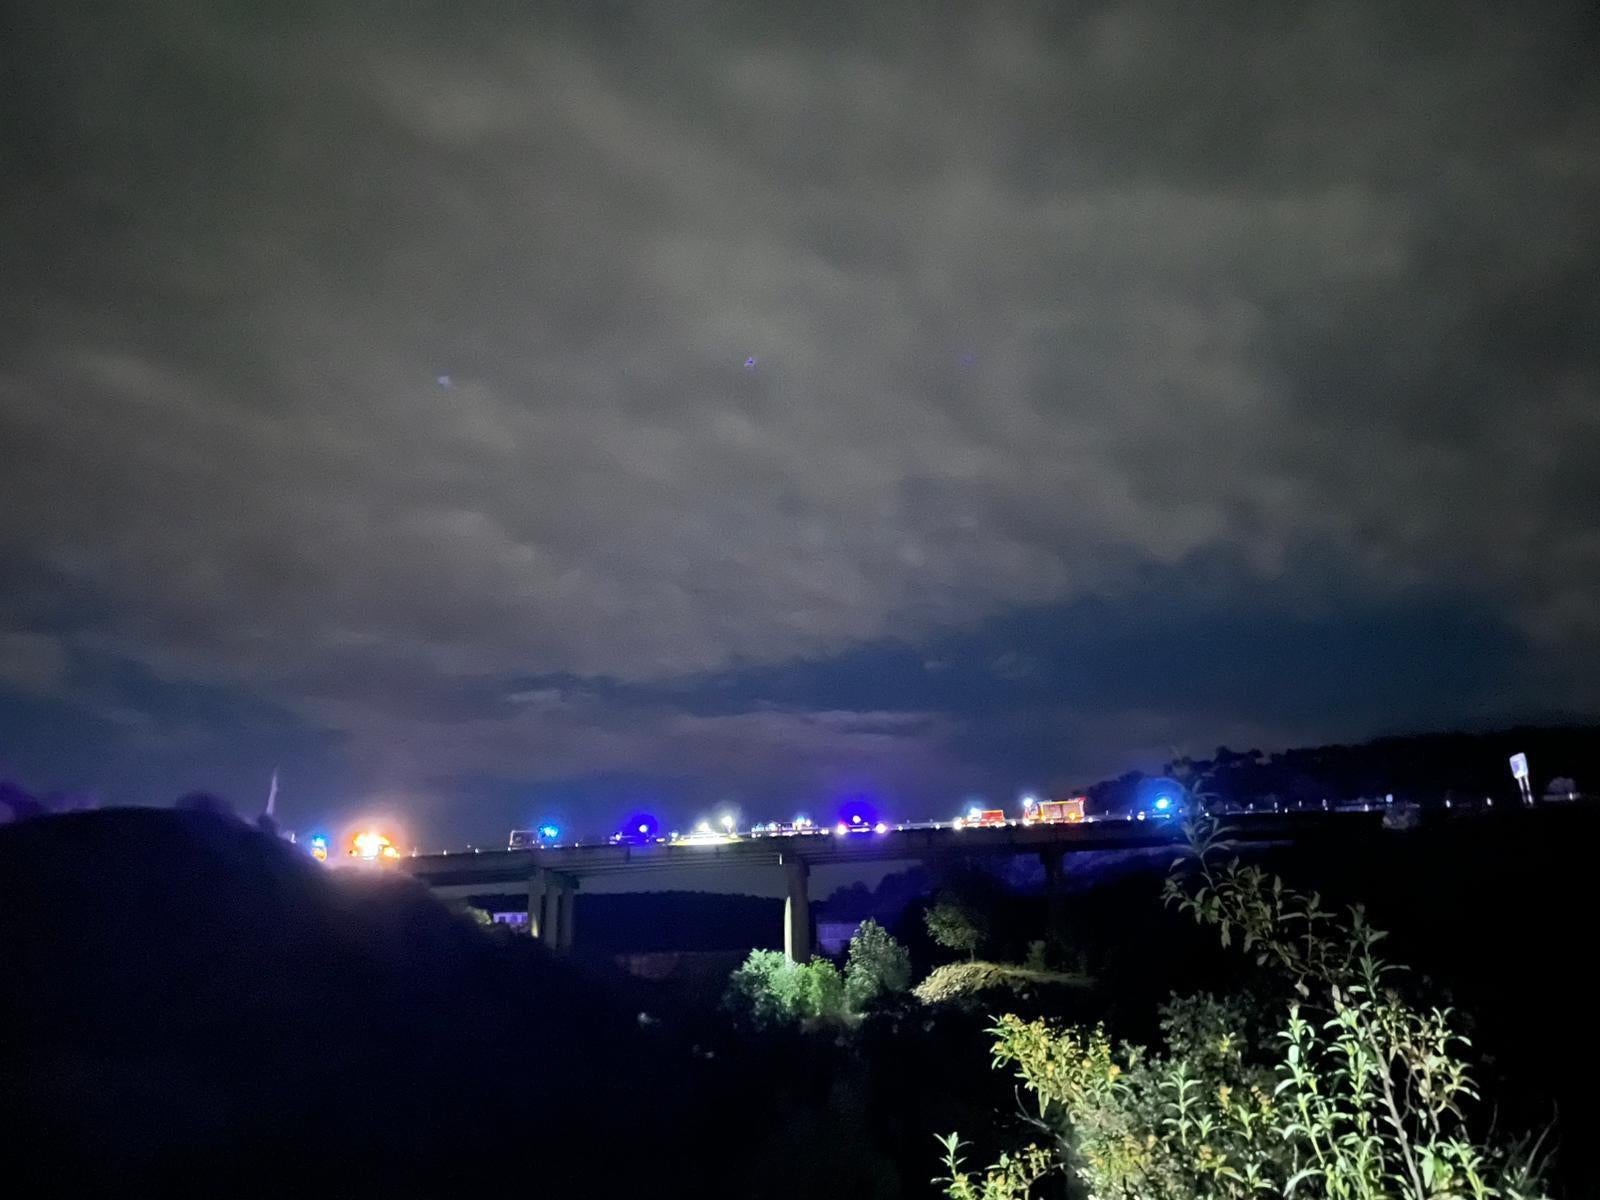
point(188, 1004)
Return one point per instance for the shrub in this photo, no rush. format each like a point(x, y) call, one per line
point(761, 993)
point(877, 967)
point(1360, 1093)
point(819, 993)
point(769, 991)
point(973, 984)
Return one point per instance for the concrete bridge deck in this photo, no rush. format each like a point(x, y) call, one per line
point(550, 876)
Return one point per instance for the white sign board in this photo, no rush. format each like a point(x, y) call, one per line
point(1519, 765)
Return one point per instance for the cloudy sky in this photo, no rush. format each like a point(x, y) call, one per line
point(488, 414)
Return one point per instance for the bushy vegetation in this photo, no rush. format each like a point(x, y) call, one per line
point(769, 991)
point(878, 967)
point(974, 983)
point(957, 924)
point(1346, 1088)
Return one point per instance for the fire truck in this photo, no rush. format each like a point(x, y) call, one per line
point(1054, 812)
point(977, 818)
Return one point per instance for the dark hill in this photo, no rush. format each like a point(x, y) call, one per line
point(187, 1002)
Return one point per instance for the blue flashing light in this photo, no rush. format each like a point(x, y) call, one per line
point(1163, 803)
point(640, 825)
point(549, 832)
point(858, 811)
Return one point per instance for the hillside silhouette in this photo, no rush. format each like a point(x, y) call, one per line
point(187, 999)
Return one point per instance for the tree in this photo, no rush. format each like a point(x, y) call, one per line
point(1352, 1092)
point(762, 992)
point(877, 967)
point(819, 994)
point(957, 925)
point(769, 991)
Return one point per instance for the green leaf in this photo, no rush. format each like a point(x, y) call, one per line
point(1298, 1178)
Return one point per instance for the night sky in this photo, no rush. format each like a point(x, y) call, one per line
point(487, 414)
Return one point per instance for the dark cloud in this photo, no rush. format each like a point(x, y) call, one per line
point(1049, 306)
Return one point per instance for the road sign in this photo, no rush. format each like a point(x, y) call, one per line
point(1519, 765)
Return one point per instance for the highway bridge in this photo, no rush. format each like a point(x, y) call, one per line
point(551, 876)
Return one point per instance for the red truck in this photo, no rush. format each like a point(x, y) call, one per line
point(1051, 812)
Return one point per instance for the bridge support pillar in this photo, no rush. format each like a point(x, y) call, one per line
point(568, 912)
point(1051, 858)
point(536, 894)
point(560, 902)
point(797, 911)
point(550, 908)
